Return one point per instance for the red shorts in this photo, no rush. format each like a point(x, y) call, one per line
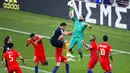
point(40, 57)
point(92, 62)
point(106, 66)
point(60, 58)
point(14, 68)
point(58, 55)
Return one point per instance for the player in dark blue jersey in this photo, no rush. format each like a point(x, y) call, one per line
point(58, 42)
point(4, 47)
point(56, 39)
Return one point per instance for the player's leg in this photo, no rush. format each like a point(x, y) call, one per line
point(79, 43)
point(108, 68)
point(56, 67)
point(63, 59)
point(72, 43)
point(58, 61)
point(18, 70)
point(36, 60)
point(92, 62)
point(43, 59)
point(66, 46)
point(89, 67)
point(105, 66)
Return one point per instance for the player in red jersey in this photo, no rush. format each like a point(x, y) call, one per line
point(10, 56)
point(39, 54)
point(105, 51)
point(93, 53)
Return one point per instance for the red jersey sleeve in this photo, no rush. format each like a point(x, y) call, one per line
point(17, 54)
point(98, 48)
point(109, 48)
point(30, 40)
point(37, 37)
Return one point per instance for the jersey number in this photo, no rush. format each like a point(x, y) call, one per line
point(11, 58)
point(102, 51)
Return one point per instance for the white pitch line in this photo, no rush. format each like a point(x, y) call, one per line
point(121, 51)
point(26, 60)
point(22, 32)
point(33, 69)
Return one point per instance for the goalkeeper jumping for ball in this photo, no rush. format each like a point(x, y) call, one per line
point(77, 36)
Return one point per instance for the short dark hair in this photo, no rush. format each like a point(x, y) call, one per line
point(94, 37)
point(63, 24)
point(32, 34)
point(10, 45)
point(105, 38)
point(6, 39)
point(83, 16)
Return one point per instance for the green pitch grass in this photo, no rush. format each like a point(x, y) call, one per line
point(119, 39)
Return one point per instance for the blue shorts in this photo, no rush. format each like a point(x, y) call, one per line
point(56, 43)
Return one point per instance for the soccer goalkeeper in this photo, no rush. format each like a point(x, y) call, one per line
point(77, 36)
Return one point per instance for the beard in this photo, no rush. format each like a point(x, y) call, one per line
point(81, 20)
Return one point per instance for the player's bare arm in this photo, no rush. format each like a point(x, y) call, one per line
point(27, 43)
point(88, 25)
point(71, 11)
point(67, 33)
point(21, 58)
point(2, 47)
point(87, 47)
point(110, 56)
point(4, 62)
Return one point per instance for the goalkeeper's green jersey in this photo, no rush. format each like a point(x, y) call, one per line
point(79, 28)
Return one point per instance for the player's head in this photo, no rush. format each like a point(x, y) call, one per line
point(92, 38)
point(10, 45)
point(82, 17)
point(105, 38)
point(32, 35)
point(8, 39)
point(63, 26)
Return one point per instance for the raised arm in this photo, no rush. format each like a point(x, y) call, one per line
point(28, 43)
point(71, 14)
point(71, 11)
point(40, 38)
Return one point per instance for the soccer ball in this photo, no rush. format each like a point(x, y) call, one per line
point(70, 4)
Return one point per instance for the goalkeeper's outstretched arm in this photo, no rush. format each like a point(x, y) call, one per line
point(71, 11)
point(88, 25)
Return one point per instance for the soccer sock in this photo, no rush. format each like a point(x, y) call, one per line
point(80, 53)
point(66, 47)
point(70, 50)
point(67, 68)
point(36, 69)
point(55, 69)
point(107, 72)
point(90, 71)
